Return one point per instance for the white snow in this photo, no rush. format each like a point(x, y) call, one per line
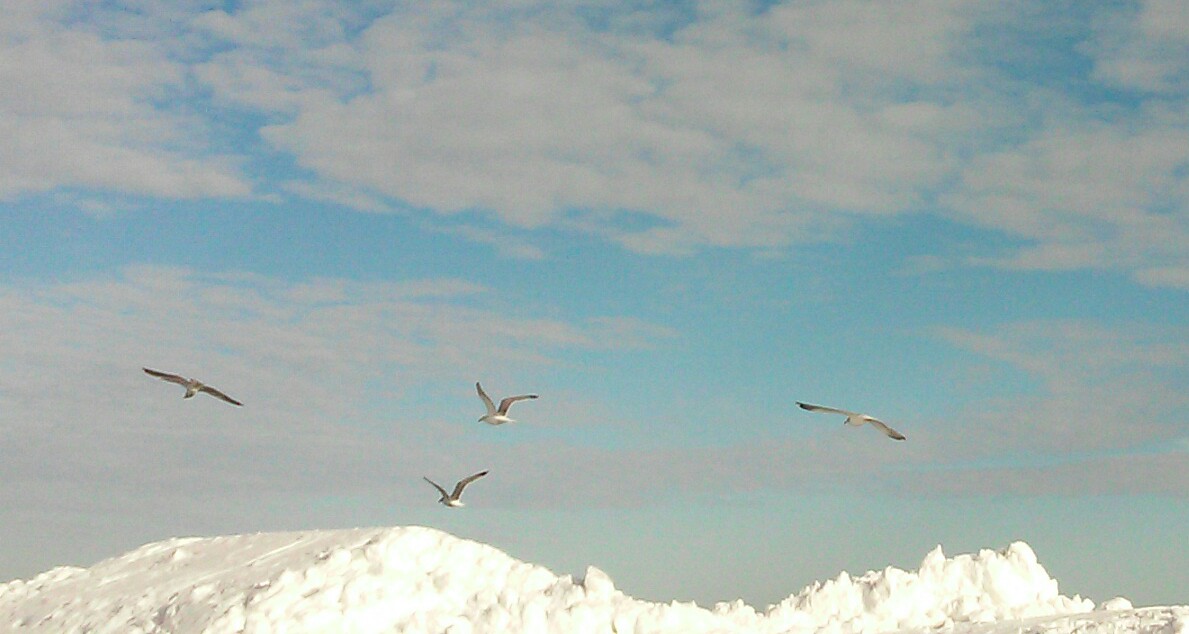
point(415, 579)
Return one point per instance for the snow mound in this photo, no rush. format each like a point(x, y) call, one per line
point(415, 579)
point(989, 586)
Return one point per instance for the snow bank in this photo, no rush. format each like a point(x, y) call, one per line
point(415, 579)
point(989, 586)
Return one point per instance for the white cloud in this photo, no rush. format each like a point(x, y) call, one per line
point(78, 110)
point(739, 130)
point(736, 129)
point(505, 243)
point(718, 124)
point(350, 197)
point(1166, 276)
point(1144, 46)
point(1088, 193)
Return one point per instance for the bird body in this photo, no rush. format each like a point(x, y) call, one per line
point(192, 386)
point(855, 419)
point(452, 499)
point(498, 415)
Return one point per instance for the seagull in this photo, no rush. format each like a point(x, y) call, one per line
point(498, 416)
point(451, 499)
point(853, 418)
point(192, 386)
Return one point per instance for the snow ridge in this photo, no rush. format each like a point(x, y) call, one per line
point(415, 579)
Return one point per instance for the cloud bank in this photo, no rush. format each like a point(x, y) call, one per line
point(664, 129)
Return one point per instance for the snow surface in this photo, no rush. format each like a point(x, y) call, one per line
point(415, 579)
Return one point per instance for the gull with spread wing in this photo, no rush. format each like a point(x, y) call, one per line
point(451, 499)
point(498, 416)
point(192, 386)
point(853, 418)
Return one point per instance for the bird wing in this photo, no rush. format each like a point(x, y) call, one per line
point(881, 426)
point(217, 394)
point(829, 410)
point(165, 376)
point(462, 484)
point(506, 403)
point(435, 485)
point(486, 399)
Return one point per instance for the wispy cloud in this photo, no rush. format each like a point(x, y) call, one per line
point(1165, 473)
point(312, 361)
point(339, 376)
point(503, 242)
point(1101, 398)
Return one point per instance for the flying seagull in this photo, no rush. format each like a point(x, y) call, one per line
point(853, 418)
point(192, 386)
point(498, 416)
point(451, 499)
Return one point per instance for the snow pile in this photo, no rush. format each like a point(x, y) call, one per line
point(416, 579)
point(989, 586)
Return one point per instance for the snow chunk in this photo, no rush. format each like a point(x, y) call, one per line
point(597, 583)
point(1117, 603)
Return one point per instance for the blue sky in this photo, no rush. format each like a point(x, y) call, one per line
point(671, 220)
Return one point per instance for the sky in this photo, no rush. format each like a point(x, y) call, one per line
point(672, 220)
